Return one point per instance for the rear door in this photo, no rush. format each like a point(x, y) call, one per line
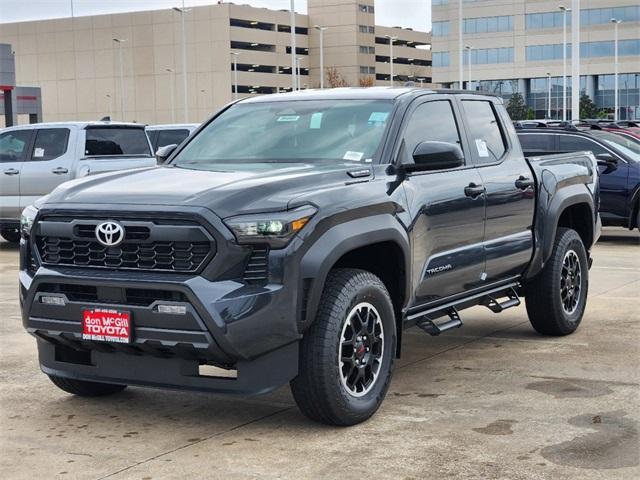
point(48, 163)
point(14, 145)
point(115, 147)
point(447, 217)
point(509, 186)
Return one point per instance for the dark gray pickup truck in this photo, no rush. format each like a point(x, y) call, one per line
point(292, 238)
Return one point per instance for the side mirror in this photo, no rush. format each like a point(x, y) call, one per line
point(436, 156)
point(606, 160)
point(163, 153)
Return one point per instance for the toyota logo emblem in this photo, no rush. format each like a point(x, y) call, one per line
point(110, 234)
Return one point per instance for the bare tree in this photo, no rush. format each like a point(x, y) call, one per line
point(366, 81)
point(335, 79)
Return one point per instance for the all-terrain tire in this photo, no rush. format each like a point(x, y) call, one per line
point(10, 235)
point(322, 389)
point(551, 309)
point(83, 388)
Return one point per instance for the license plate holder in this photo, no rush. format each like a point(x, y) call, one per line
point(106, 325)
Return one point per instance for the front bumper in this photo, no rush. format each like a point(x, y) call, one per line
point(227, 323)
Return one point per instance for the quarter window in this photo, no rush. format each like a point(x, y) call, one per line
point(430, 121)
point(50, 143)
point(487, 139)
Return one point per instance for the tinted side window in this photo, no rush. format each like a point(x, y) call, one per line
point(50, 143)
point(13, 145)
point(537, 144)
point(116, 141)
point(430, 121)
point(484, 129)
point(573, 143)
point(171, 137)
point(153, 138)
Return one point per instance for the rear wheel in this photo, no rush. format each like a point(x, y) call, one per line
point(557, 296)
point(347, 355)
point(84, 388)
point(10, 234)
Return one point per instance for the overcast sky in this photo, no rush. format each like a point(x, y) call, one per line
point(405, 13)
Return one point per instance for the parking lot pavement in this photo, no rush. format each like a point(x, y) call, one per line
point(491, 400)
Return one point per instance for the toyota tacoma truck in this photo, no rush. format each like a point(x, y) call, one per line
point(292, 238)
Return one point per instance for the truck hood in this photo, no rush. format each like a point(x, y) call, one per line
point(225, 192)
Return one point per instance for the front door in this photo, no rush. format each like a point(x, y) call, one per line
point(447, 207)
point(14, 145)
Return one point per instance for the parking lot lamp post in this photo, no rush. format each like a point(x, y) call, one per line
point(120, 41)
point(615, 22)
point(183, 11)
point(321, 29)
point(548, 95)
point(564, 60)
point(460, 48)
point(109, 105)
point(298, 80)
point(294, 75)
point(468, 48)
point(235, 74)
point(391, 40)
point(171, 73)
point(575, 59)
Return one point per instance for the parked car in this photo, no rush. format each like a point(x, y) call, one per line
point(294, 237)
point(170, 134)
point(37, 158)
point(618, 160)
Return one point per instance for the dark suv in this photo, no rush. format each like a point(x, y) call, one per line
point(618, 160)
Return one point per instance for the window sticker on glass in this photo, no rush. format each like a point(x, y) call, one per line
point(38, 152)
point(316, 120)
point(288, 118)
point(378, 118)
point(481, 145)
point(354, 156)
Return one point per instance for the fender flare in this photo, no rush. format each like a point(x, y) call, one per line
point(339, 240)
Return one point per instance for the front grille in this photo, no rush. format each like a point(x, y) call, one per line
point(147, 245)
point(120, 296)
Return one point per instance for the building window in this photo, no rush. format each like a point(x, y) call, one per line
point(367, 50)
point(440, 59)
point(287, 29)
point(236, 22)
point(260, 47)
point(440, 29)
point(299, 51)
point(587, 49)
point(591, 16)
point(368, 70)
point(483, 56)
point(366, 8)
point(248, 67)
point(366, 29)
point(439, 2)
point(488, 24)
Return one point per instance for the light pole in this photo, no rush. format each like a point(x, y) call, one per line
point(183, 11)
point(171, 73)
point(321, 30)
point(294, 76)
point(468, 48)
point(298, 82)
point(548, 95)
point(615, 22)
point(235, 74)
point(575, 59)
point(120, 41)
point(564, 60)
point(391, 40)
point(109, 105)
point(460, 47)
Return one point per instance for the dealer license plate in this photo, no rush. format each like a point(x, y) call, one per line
point(106, 325)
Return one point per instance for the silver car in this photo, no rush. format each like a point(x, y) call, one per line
point(36, 158)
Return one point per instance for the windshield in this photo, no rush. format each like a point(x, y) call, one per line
point(302, 131)
point(626, 145)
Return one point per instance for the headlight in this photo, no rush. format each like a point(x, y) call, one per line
point(26, 220)
point(275, 228)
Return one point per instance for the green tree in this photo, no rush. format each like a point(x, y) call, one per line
point(531, 115)
point(588, 109)
point(516, 107)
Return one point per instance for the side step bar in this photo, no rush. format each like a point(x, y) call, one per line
point(492, 299)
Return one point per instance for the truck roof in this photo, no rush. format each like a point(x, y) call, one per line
point(355, 93)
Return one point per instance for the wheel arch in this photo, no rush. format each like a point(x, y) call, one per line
point(377, 244)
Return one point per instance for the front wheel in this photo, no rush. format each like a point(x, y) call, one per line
point(557, 296)
point(347, 355)
point(11, 235)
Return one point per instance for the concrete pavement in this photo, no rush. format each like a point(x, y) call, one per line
point(490, 400)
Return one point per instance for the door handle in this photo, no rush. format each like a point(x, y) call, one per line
point(11, 171)
point(60, 171)
point(524, 182)
point(473, 190)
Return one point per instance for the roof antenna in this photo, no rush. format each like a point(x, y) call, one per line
point(410, 83)
point(106, 119)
